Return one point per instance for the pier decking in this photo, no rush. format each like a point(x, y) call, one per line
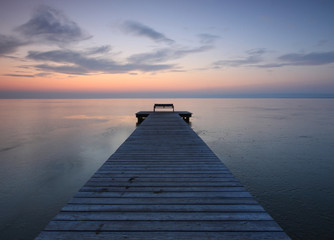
point(163, 183)
point(144, 114)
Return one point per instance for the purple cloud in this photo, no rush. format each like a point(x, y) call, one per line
point(139, 29)
point(77, 63)
point(254, 56)
point(298, 59)
point(9, 44)
point(315, 58)
point(19, 75)
point(166, 54)
point(206, 38)
point(51, 25)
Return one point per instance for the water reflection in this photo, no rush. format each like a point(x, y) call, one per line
point(49, 150)
point(86, 117)
point(280, 149)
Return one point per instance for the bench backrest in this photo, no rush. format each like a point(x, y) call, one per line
point(163, 105)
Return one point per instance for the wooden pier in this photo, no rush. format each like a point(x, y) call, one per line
point(144, 114)
point(163, 183)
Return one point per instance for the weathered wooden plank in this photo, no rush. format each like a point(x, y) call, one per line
point(144, 172)
point(161, 161)
point(195, 152)
point(189, 154)
point(163, 179)
point(161, 184)
point(159, 165)
point(163, 208)
point(160, 216)
point(163, 235)
point(160, 194)
point(170, 200)
point(150, 156)
point(131, 188)
point(166, 175)
point(193, 226)
point(161, 169)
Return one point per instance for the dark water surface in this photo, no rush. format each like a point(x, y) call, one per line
point(282, 150)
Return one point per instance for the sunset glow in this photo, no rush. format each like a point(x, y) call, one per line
point(179, 48)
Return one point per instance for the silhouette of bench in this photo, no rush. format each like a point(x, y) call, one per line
point(158, 105)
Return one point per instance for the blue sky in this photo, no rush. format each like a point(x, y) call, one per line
point(166, 48)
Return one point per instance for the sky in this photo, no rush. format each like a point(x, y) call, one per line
point(183, 48)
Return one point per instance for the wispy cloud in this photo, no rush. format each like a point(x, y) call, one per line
point(298, 59)
point(322, 42)
point(51, 25)
point(66, 56)
point(254, 56)
point(255, 59)
point(142, 30)
point(98, 50)
point(66, 69)
point(315, 58)
point(77, 63)
point(9, 44)
point(206, 38)
point(19, 75)
point(48, 25)
point(166, 54)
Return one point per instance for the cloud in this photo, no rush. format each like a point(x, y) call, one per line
point(257, 51)
point(41, 74)
point(254, 56)
point(46, 25)
point(271, 65)
point(139, 29)
point(98, 50)
point(206, 38)
point(51, 25)
point(9, 44)
point(77, 63)
point(63, 56)
point(322, 42)
point(166, 54)
point(254, 59)
point(19, 75)
point(297, 59)
point(315, 58)
point(66, 69)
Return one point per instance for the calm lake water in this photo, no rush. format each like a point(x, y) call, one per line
point(282, 150)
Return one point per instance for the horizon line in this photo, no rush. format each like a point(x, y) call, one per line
point(150, 95)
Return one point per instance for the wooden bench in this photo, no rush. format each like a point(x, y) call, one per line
point(160, 105)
